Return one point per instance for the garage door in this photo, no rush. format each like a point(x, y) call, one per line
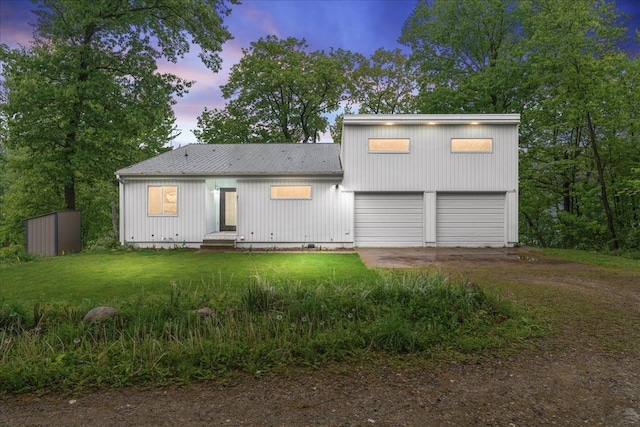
point(388, 219)
point(470, 219)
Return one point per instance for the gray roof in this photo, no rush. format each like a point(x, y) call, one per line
point(242, 159)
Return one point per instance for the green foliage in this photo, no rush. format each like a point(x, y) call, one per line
point(278, 92)
point(159, 338)
point(469, 54)
point(85, 99)
point(102, 243)
point(16, 254)
point(384, 84)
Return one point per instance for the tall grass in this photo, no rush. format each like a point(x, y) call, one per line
point(161, 338)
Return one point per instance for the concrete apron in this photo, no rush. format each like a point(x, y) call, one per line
point(422, 257)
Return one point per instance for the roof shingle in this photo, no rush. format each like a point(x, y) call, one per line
point(242, 159)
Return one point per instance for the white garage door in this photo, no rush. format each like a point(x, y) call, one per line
point(470, 219)
point(388, 219)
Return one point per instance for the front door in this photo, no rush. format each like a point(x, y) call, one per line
point(228, 209)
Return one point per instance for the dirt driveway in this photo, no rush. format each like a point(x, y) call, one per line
point(585, 371)
point(426, 257)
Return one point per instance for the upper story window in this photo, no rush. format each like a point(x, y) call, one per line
point(162, 200)
point(291, 192)
point(471, 145)
point(388, 145)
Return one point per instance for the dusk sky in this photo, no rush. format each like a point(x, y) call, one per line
point(357, 25)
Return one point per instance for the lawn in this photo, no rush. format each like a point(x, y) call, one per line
point(102, 277)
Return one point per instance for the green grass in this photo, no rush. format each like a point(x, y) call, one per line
point(621, 264)
point(103, 277)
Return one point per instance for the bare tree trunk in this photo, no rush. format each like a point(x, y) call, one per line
point(114, 220)
point(70, 194)
point(603, 186)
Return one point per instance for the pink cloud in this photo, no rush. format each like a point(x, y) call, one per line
point(258, 19)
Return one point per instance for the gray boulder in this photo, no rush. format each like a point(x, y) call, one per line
point(205, 313)
point(99, 314)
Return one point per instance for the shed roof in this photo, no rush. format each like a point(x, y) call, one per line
point(242, 159)
point(431, 119)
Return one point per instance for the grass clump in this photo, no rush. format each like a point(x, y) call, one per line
point(159, 338)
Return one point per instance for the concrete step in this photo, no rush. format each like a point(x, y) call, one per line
point(218, 243)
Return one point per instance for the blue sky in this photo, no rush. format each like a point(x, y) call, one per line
point(357, 25)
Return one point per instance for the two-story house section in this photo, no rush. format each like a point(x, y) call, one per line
point(432, 180)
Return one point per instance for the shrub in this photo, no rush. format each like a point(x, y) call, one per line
point(102, 243)
point(16, 253)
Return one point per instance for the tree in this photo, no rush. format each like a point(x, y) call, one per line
point(278, 92)
point(86, 99)
point(585, 87)
point(385, 83)
point(468, 54)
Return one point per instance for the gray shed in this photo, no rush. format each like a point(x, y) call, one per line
point(56, 233)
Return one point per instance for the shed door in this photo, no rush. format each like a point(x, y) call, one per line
point(388, 219)
point(470, 219)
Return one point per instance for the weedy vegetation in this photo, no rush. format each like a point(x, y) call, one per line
point(261, 326)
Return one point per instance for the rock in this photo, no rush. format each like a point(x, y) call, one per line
point(100, 313)
point(205, 313)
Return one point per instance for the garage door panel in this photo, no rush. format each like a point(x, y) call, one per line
point(388, 219)
point(453, 203)
point(468, 219)
point(383, 233)
point(478, 218)
point(402, 218)
point(389, 212)
point(489, 233)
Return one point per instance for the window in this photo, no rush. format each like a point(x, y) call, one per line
point(386, 145)
point(471, 145)
point(162, 200)
point(291, 192)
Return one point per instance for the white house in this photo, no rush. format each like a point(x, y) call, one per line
point(396, 180)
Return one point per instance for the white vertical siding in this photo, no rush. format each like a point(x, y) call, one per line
point(430, 165)
point(325, 218)
point(430, 218)
point(188, 226)
point(511, 212)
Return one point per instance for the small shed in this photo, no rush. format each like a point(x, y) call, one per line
point(55, 233)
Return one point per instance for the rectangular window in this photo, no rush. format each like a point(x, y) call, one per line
point(471, 145)
point(291, 192)
point(388, 145)
point(162, 200)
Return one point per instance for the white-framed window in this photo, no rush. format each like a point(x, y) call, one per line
point(471, 145)
point(291, 192)
point(162, 200)
point(389, 145)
